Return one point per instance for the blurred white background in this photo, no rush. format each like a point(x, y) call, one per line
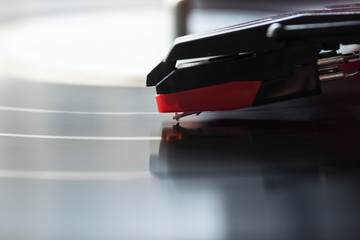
point(83, 42)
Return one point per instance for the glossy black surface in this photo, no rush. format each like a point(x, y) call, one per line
point(82, 162)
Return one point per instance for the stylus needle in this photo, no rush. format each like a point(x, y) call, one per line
point(177, 116)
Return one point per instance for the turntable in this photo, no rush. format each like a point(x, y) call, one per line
point(98, 161)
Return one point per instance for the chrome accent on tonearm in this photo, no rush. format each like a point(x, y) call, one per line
point(328, 65)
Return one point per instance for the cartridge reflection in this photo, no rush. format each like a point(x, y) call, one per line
point(245, 146)
point(274, 179)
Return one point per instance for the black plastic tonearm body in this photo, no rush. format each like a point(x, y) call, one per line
point(272, 50)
